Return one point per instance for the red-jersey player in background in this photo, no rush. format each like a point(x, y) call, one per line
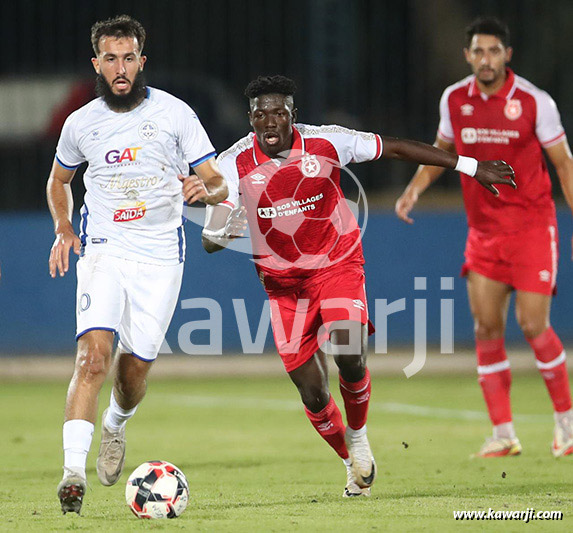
point(512, 241)
point(307, 250)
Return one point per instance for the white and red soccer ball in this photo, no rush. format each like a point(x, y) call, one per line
point(157, 489)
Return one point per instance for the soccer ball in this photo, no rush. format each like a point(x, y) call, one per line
point(157, 489)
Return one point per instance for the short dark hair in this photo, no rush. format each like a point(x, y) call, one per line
point(488, 26)
point(120, 26)
point(270, 85)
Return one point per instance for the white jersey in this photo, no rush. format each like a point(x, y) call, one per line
point(133, 204)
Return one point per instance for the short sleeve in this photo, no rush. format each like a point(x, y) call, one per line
point(193, 138)
point(445, 129)
point(352, 146)
point(548, 127)
point(227, 166)
point(68, 153)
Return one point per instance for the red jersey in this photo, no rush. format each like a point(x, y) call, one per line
point(300, 223)
point(512, 125)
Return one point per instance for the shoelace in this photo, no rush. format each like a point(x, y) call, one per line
point(113, 451)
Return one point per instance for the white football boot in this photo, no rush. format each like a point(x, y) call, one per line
point(71, 491)
point(363, 464)
point(111, 456)
point(352, 489)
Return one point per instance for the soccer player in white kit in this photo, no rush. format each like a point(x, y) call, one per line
point(139, 143)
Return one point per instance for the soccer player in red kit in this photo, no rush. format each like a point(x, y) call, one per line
point(307, 251)
point(512, 243)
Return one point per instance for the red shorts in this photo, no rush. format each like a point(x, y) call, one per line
point(526, 260)
point(301, 319)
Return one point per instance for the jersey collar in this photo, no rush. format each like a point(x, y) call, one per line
point(260, 157)
point(506, 91)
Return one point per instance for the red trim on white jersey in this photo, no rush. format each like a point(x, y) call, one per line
point(553, 142)
point(378, 147)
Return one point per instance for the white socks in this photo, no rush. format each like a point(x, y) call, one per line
point(353, 433)
point(504, 431)
point(77, 441)
point(564, 419)
point(116, 416)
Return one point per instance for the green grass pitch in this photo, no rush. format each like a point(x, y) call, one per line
point(265, 469)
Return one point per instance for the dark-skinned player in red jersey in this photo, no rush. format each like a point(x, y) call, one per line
point(308, 254)
point(512, 242)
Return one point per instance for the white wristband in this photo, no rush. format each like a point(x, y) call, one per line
point(467, 165)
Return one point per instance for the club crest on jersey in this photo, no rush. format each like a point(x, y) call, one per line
point(512, 109)
point(127, 214)
point(310, 166)
point(258, 179)
point(467, 110)
point(148, 130)
point(121, 156)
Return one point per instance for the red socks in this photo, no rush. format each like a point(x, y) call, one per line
point(356, 399)
point(494, 377)
point(328, 422)
point(329, 425)
point(550, 360)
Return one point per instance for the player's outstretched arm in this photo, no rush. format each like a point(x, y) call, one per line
point(222, 226)
point(423, 178)
point(207, 184)
point(560, 156)
point(61, 204)
point(487, 173)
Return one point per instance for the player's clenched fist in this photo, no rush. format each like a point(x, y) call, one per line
point(60, 252)
point(193, 188)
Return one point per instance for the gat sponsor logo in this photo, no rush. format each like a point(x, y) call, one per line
point(267, 212)
point(127, 214)
point(469, 135)
point(121, 156)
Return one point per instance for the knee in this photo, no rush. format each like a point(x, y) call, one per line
point(314, 397)
point(92, 364)
point(487, 330)
point(531, 328)
point(351, 367)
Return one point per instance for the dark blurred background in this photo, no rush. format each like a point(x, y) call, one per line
point(373, 65)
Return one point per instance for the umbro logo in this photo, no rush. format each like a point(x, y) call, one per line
point(359, 304)
point(258, 179)
point(325, 426)
point(467, 110)
point(363, 398)
point(544, 275)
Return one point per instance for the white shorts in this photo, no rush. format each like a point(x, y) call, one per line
point(134, 300)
